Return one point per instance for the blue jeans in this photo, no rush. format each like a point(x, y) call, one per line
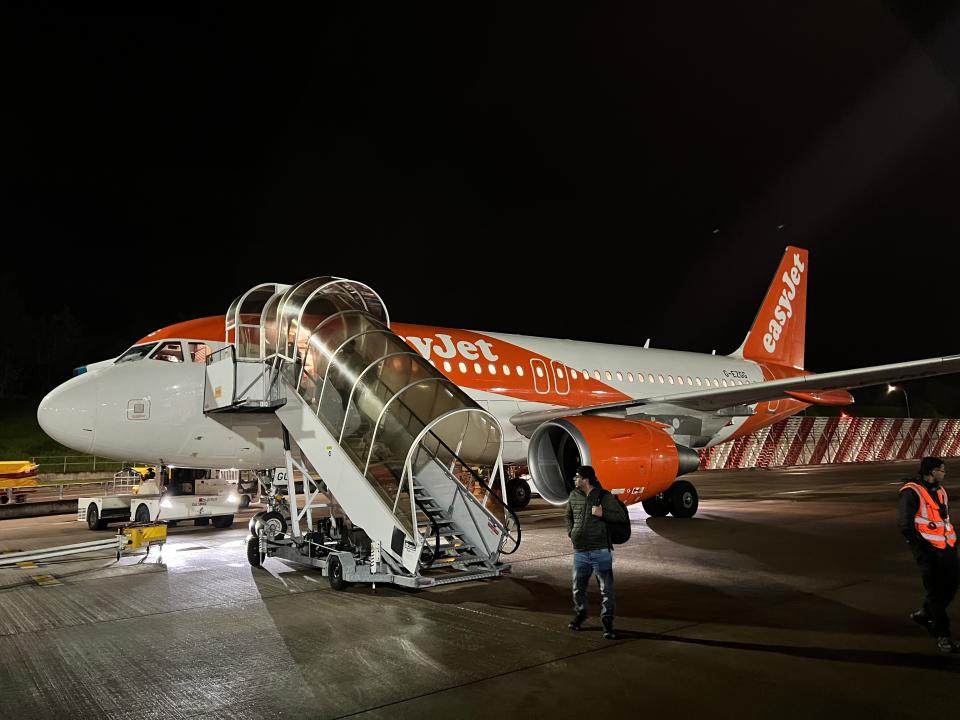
point(585, 563)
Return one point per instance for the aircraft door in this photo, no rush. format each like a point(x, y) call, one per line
point(541, 376)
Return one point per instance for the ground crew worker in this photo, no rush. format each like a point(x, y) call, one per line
point(924, 520)
point(588, 506)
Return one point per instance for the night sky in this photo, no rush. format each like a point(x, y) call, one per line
point(608, 175)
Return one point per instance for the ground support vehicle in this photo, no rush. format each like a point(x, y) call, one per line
point(186, 496)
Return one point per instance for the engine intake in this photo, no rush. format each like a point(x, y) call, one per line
point(635, 459)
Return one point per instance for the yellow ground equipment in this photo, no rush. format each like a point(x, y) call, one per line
point(137, 535)
point(17, 473)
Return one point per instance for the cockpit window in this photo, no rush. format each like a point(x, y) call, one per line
point(199, 351)
point(169, 351)
point(137, 352)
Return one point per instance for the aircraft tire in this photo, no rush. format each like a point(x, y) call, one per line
point(684, 499)
point(254, 556)
point(252, 525)
point(244, 501)
point(93, 518)
point(223, 521)
point(335, 573)
point(202, 521)
point(656, 506)
point(274, 519)
point(518, 493)
point(142, 515)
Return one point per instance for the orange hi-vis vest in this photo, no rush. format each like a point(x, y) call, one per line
point(934, 529)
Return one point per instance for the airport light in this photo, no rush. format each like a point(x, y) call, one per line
point(891, 388)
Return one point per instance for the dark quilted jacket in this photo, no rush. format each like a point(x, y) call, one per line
point(586, 531)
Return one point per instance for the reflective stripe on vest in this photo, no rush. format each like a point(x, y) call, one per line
point(936, 530)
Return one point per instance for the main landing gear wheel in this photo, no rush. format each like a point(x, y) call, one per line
point(335, 573)
point(518, 493)
point(143, 514)
point(656, 506)
point(254, 556)
point(684, 499)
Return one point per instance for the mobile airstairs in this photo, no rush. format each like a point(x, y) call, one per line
point(398, 466)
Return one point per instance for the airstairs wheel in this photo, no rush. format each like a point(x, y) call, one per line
point(335, 573)
point(684, 499)
point(656, 506)
point(254, 556)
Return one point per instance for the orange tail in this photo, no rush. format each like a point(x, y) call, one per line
point(777, 335)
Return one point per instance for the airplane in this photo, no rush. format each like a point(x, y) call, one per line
point(639, 415)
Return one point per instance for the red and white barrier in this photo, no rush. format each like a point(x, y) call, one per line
point(823, 441)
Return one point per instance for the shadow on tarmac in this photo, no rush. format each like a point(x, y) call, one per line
point(933, 661)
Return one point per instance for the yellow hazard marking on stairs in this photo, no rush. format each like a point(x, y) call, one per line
point(26, 564)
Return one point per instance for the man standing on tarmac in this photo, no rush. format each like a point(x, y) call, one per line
point(588, 507)
point(925, 522)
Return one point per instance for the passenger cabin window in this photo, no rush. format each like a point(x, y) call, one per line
point(170, 352)
point(137, 352)
point(199, 352)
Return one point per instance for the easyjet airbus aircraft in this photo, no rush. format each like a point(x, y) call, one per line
point(638, 415)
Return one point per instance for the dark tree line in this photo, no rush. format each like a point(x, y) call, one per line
point(39, 349)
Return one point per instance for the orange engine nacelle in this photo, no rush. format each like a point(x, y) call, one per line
point(635, 459)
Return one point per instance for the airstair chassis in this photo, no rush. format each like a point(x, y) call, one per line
point(358, 571)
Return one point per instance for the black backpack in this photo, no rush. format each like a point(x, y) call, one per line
point(617, 532)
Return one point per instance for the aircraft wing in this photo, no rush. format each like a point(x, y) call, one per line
point(809, 388)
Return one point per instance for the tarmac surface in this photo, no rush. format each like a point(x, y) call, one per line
point(787, 595)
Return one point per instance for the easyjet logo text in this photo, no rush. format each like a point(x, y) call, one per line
point(443, 346)
point(784, 309)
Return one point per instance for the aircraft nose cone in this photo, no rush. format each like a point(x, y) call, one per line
point(68, 413)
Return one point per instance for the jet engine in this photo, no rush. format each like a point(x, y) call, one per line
point(635, 459)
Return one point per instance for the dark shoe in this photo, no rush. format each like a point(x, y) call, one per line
point(577, 621)
point(921, 619)
point(947, 645)
point(608, 632)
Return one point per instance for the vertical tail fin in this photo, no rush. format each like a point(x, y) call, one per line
point(778, 332)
